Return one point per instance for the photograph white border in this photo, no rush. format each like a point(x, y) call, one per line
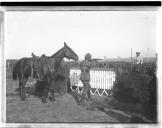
point(3, 10)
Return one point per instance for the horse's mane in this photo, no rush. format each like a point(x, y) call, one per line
point(55, 54)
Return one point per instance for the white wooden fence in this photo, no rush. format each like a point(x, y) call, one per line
point(102, 80)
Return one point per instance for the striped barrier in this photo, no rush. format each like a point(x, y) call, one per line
point(102, 80)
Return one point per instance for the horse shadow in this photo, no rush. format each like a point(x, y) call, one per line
point(34, 90)
point(37, 89)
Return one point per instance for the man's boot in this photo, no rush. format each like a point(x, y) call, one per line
point(82, 99)
point(89, 96)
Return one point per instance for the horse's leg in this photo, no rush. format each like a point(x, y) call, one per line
point(20, 86)
point(22, 83)
point(66, 88)
point(45, 93)
point(52, 97)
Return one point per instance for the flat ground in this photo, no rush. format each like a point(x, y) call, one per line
point(64, 109)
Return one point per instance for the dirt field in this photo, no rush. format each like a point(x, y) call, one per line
point(65, 109)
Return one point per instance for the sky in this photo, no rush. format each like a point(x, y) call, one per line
point(102, 33)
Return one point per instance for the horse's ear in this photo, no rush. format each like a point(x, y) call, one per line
point(65, 44)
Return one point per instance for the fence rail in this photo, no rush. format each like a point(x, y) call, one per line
point(102, 80)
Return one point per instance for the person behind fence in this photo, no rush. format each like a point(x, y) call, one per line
point(138, 59)
point(138, 63)
point(85, 77)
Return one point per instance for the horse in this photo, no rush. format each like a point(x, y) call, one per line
point(43, 68)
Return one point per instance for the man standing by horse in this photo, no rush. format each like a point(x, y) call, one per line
point(85, 77)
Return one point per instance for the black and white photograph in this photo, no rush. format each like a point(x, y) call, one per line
point(79, 64)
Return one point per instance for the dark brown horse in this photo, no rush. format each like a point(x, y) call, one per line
point(44, 68)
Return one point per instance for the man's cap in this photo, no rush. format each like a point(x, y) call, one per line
point(138, 53)
point(88, 56)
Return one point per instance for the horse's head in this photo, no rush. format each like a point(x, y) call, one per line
point(69, 53)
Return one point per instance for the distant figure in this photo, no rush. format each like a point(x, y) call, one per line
point(85, 77)
point(138, 59)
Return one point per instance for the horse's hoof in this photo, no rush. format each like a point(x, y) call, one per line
point(44, 101)
point(81, 103)
point(52, 99)
point(22, 99)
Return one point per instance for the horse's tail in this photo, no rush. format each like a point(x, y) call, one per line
point(15, 72)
